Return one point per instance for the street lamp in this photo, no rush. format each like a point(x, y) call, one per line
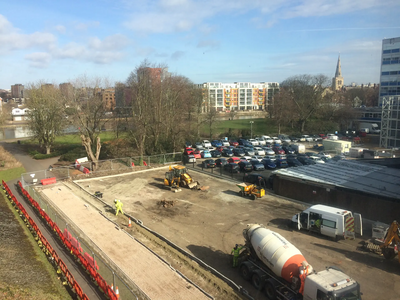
point(251, 129)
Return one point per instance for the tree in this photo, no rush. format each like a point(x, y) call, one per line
point(306, 92)
point(46, 114)
point(89, 117)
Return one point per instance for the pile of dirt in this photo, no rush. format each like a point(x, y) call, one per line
point(166, 203)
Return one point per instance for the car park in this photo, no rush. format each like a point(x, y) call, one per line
point(206, 143)
point(215, 153)
point(234, 160)
point(205, 154)
point(216, 143)
point(245, 166)
point(208, 163)
point(197, 154)
point(268, 163)
point(259, 151)
point(227, 152)
point(257, 165)
point(220, 162)
point(232, 168)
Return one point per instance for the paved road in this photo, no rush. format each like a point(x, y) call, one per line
point(76, 270)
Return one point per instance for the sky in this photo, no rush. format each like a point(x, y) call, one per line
point(205, 41)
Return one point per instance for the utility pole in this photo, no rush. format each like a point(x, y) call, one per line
point(251, 129)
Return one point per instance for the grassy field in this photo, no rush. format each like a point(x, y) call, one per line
point(11, 174)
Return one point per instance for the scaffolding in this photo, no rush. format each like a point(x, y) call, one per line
point(390, 122)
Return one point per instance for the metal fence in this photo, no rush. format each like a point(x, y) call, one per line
point(110, 166)
point(107, 269)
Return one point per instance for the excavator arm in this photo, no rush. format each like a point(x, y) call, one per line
point(392, 241)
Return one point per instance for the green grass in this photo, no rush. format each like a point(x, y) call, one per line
point(11, 174)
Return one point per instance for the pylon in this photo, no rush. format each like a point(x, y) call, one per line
point(117, 292)
point(129, 225)
point(112, 286)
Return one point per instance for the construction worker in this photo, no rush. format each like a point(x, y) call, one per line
point(236, 252)
point(118, 206)
point(303, 275)
point(318, 223)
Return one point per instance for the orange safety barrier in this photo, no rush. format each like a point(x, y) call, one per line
point(144, 163)
point(86, 171)
point(132, 164)
point(91, 261)
point(48, 181)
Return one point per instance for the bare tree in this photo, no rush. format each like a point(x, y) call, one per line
point(307, 94)
point(89, 117)
point(46, 113)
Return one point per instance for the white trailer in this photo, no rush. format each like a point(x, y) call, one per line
point(372, 127)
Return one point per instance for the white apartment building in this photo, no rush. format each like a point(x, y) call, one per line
point(238, 95)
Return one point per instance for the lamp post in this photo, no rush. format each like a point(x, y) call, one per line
point(251, 129)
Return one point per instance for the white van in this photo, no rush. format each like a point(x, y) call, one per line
point(329, 221)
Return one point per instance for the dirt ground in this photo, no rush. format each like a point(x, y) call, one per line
point(209, 223)
point(24, 272)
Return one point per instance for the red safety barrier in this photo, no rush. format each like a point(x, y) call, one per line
point(132, 164)
point(86, 171)
point(91, 261)
point(48, 181)
point(144, 163)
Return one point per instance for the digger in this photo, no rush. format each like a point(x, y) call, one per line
point(250, 190)
point(179, 177)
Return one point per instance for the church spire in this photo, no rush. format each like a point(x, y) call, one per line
point(338, 68)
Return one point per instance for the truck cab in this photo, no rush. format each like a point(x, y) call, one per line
point(331, 284)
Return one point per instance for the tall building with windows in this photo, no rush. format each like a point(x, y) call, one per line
point(17, 91)
point(389, 93)
point(238, 95)
point(337, 81)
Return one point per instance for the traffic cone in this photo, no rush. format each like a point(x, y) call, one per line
point(117, 292)
point(129, 225)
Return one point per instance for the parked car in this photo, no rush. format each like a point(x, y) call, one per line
point(260, 141)
point(208, 163)
point(257, 165)
point(197, 153)
point(322, 136)
point(306, 138)
point(317, 159)
point(284, 138)
point(276, 140)
point(259, 151)
point(268, 163)
point(215, 153)
point(253, 142)
point(271, 157)
point(316, 138)
point(188, 151)
point(199, 146)
point(225, 143)
point(288, 149)
point(206, 143)
point(257, 157)
point(331, 136)
point(205, 154)
point(249, 151)
point(220, 162)
point(294, 139)
point(191, 158)
point(219, 149)
point(242, 141)
point(281, 163)
point(255, 178)
point(305, 160)
point(234, 143)
point(268, 139)
point(245, 166)
point(238, 152)
point(268, 151)
point(188, 144)
point(293, 162)
point(227, 152)
point(234, 160)
point(278, 149)
point(231, 168)
point(216, 143)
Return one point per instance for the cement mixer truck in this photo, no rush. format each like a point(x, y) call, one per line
point(278, 268)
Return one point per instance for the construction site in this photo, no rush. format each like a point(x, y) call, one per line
point(176, 243)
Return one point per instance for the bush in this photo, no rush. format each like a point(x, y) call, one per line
point(44, 156)
point(73, 154)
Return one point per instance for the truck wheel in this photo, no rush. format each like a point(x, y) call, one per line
point(253, 197)
point(258, 280)
point(270, 290)
point(245, 271)
point(388, 253)
point(241, 194)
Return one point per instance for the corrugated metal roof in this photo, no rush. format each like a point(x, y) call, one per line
point(351, 174)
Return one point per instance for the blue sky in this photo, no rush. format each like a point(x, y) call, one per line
point(206, 41)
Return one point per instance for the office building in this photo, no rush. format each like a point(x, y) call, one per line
point(17, 91)
point(389, 93)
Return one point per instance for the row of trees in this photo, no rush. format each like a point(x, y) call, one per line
point(306, 102)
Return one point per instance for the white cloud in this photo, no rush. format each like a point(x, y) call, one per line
point(38, 59)
point(208, 44)
point(60, 29)
point(177, 55)
point(87, 25)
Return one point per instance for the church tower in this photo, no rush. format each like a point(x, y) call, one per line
point(337, 81)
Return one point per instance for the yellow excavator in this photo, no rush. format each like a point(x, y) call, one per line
point(179, 177)
point(391, 244)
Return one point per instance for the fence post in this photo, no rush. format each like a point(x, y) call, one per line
point(164, 159)
point(113, 279)
point(111, 164)
point(45, 173)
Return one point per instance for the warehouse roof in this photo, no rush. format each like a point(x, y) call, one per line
point(351, 174)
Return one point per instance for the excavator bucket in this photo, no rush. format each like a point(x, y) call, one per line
point(194, 185)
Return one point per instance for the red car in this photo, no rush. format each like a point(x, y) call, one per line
point(234, 160)
point(233, 143)
point(220, 148)
point(322, 136)
point(188, 151)
point(197, 154)
point(278, 150)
